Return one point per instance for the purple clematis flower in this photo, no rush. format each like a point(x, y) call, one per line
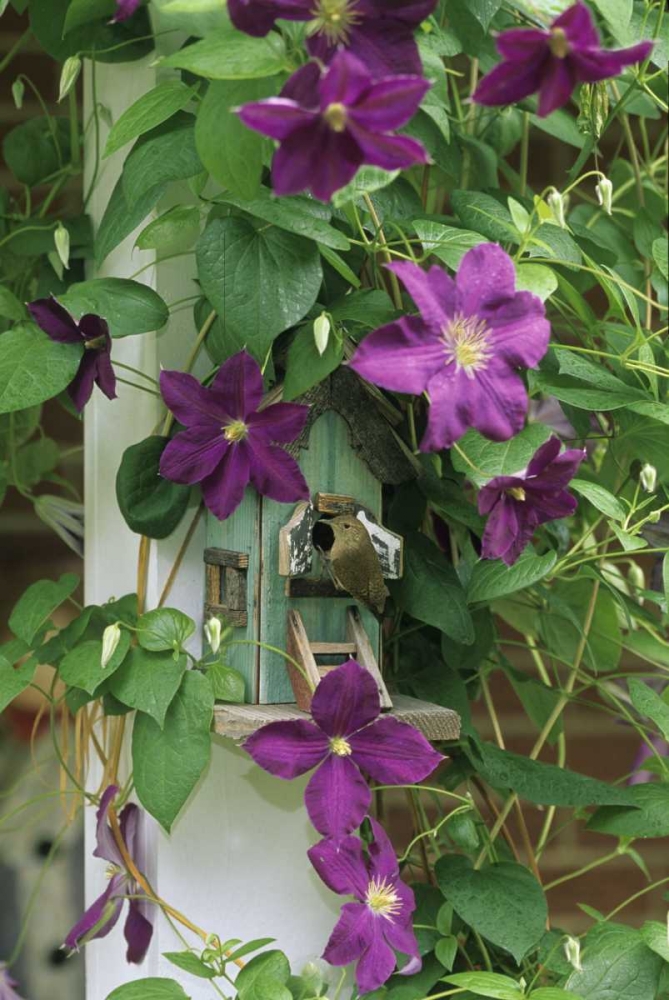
point(464, 348)
point(7, 985)
point(228, 442)
point(553, 61)
point(346, 736)
point(378, 32)
point(330, 124)
point(92, 333)
point(125, 9)
point(380, 923)
point(518, 504)
point(102, 916)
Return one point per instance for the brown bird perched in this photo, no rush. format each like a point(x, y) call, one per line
point(351, 560)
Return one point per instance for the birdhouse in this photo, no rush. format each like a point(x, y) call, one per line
point(271, 570)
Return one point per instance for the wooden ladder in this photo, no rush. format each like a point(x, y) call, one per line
point(356, 646)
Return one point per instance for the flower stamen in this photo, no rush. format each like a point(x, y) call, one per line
point(382, 899)
point(235, 431)
point(334, 18)
point(466, 343)
point(340, 747)
point(518, 493)
point(559, 43)
point(336, 116)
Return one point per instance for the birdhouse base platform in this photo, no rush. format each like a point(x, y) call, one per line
point(434, 722)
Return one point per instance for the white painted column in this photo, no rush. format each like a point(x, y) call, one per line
point(236, 862)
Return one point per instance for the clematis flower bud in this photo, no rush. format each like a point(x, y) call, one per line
point(604, 191)
point(572, 950)
point(61, 239)
point(558, 206)
point(212, 631)
point(69, 76)
point(110, 640)
point(648, 478)
point(637, 579)
point(322, 333)
point(18, 91)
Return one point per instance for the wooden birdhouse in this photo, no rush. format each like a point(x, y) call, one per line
point(267, 567)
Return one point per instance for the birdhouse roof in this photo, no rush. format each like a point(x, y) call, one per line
point(368, 417)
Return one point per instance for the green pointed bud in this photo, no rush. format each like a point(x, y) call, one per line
point(599, 110)
point(572, 950)
point(4, 4)
point(110, 640)
point(637, 579)
point(654, 517)
point(604, 191)
point(648, 478)
point(212, 631)
point(69, 76)
point(62, 240)
point(322, 329)
point(18, 90)
point(558, 206)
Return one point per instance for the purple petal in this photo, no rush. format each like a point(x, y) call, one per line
point(511, 81)
point(393, 752)
point(346, 700)
point(389, 104)
point(316, 159)
point(192, 455)
point(346, 80)
point(592, 66)
point(522, 44)
point(287, 749)
point(125, 9)
point(352, 935)
point(238, 386)
point(337, 797)
point(93, 327)
point(106, 848)
point(520, 331)
point(544, 506)
point(276, 117)
point(507, 532)
point(402, 937)
point(80, 388)
point(100, 917)
point(129, 821)
point(190, 402)
point(433, 291)
point(543, 456)
point(302, 86)
point(390, 152)
point(275, 474)
point(386, 47)
point(55, 320)
point(384, 864)
point(377, 964)
point(495, 489)
point(282, 422)
point(401, 356)
point(485, 279)
point(578, 24)
point(341, 865)
point(561, 470)
point(223, 490)
point(138, 932)
point(105, 377)
point(258, 17)
point(557, 84)
point(409, 12)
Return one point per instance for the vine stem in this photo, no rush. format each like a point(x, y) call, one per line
point(385, 252)
point(584, 870)
point(524, 152)
point(176, 565)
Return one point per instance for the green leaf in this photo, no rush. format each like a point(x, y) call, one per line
point(431, 592)
point(537, 699)
point(260, 281)
point(227, 54)
point(111, 42)
point(33, 462)
point(648, 703)
point(37, 148)
point(164, 628)
point(173, 232)
point(148, 682)
point(82, 12)
point(536, 278)
point(14, 680)
point(617, 14)
point(128, 306)
point(599, 498)
point(306, 367)
point(228, 684)
point(33, 367)
point(368, 308)
point(296, 215)
point(660, 254)
point(119, 220)
point(10, 307)
point(446, 950)
point(339, 265)
point(491, 578)
point(446, 242)
point(231, 152)
point(259, 979)
point(544, 784)
point(485, 215)
point(571, 390)
point(35, 606)
point(617, 965)
point(554, 993)
point(562, 625)
point(149, 989)
point(17, 428)
point(82, 666)
point(152, 109)
point(503, 902)
point(167, 154)
point(654, 935)
point(168, 763)
point(649, 819)
point(487, 984)
point(190, 963)
point(367, 180)
point(150, 505)
point(492, 458)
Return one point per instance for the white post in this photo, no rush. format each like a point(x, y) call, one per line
point(236, 862)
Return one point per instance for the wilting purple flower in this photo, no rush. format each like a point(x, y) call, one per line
point(553, 61)
point(102, 916)
point(92, 333)
point(371, 930)
point(65, 517)
point(348, 736)
point(7, 985)
point(330, 124)
point(379, 32)
point(464, 347)
point(518, 504)
point(227, 442)
point(125, 9)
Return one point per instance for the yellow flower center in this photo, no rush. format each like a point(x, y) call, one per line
point(518, 493)
point(111, 871)
point(336, 116)
point(236, 431)
point(334, 18)
point(466, 344)
point(383, 900)
point(559, 43)
point(94, 345)
point(340, 747)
